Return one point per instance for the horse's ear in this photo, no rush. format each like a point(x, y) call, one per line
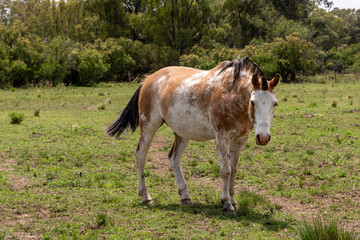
point(255, 81)
point(275, 81)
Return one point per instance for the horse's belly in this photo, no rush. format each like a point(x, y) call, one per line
point(190, 123)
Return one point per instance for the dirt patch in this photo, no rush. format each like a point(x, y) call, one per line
point(35, 135)
point(159, 159)
point(16, 182)
point(24, 221)
point(353, 110)
point(91, 107)
point(15, 217)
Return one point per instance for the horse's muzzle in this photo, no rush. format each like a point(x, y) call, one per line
point(262, 139)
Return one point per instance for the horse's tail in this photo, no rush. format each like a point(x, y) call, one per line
point(129, 117)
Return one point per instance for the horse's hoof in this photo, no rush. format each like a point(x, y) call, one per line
point(228, 212)
point(147, 202)
point(185, 202)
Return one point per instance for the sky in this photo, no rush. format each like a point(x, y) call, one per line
point(346, 4)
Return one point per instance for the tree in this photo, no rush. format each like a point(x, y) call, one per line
point(179, 24)
point(352, 17)
point(327, 30)
point(285, 56)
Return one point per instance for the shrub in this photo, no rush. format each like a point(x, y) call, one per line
point(207, 58)
point(37, 112)
point(57, 61)
point(89, 67)
point(16, 118)
point(121, 65)
point(148, 57)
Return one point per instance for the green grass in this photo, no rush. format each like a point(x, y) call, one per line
point(62, 177)
point(320, 230)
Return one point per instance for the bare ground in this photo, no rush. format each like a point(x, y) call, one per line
point(14, 216)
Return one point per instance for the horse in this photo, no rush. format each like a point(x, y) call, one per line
point(224, 103)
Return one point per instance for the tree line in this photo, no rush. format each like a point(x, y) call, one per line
point(82, 42)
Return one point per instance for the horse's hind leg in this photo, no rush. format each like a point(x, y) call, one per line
point(175, 158)
point(148, 130)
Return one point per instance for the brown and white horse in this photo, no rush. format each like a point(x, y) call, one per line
point(224, 103)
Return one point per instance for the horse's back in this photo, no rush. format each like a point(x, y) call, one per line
point(179, 96)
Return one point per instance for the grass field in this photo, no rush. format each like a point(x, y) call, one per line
point(61, 177)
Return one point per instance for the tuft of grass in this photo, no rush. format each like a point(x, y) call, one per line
point(37, 112)
point(313, 104)
point(102, 220)
point(2, 235)
point(102, 107)
point(319, 230)
point(247, 201)
point(16, 118)
point(334, 104)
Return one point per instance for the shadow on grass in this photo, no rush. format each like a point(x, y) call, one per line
point(212, 210)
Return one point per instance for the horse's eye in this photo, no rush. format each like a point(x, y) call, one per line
point(275, 104)
point(252, 103)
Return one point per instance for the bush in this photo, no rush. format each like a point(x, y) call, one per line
point(89, 67)
point(285, 56)
point(204, 58)
point(121, 65)
point(57, 61)
point(148, 57)
point(16, 118)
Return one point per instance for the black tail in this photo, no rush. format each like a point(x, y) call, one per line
point(129, 117)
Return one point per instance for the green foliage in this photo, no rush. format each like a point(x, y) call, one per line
point(148, 57)
point(89, 66)
point(203, 58)
point(285, 56)
point(82, 42)
point(57, 61)
point(16, 118)
point(319, 230)
point(327, 30)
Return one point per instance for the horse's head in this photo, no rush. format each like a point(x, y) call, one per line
point(261, 107)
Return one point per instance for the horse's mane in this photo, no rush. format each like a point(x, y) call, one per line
point(243, 66)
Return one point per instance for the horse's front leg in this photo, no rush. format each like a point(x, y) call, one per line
point(223, 145)
point(234, 153)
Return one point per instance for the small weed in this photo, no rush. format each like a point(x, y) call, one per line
point(342, 173)
point(37, 112)
point(194, 163)
point(348, 155)
point(326, 231)
point(306, 172)
point(284, 99)
point(334, 104)
point(294, 95)
point(102, 107)
point(102, 220)
point(313, 104)
point(310, 151)
point(16, 118)
point(101, 94)
point(2, 235)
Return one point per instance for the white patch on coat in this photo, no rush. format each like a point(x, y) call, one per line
point(189, 121)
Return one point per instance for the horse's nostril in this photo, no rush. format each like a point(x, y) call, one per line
point(269, 138)
point(258, 138)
